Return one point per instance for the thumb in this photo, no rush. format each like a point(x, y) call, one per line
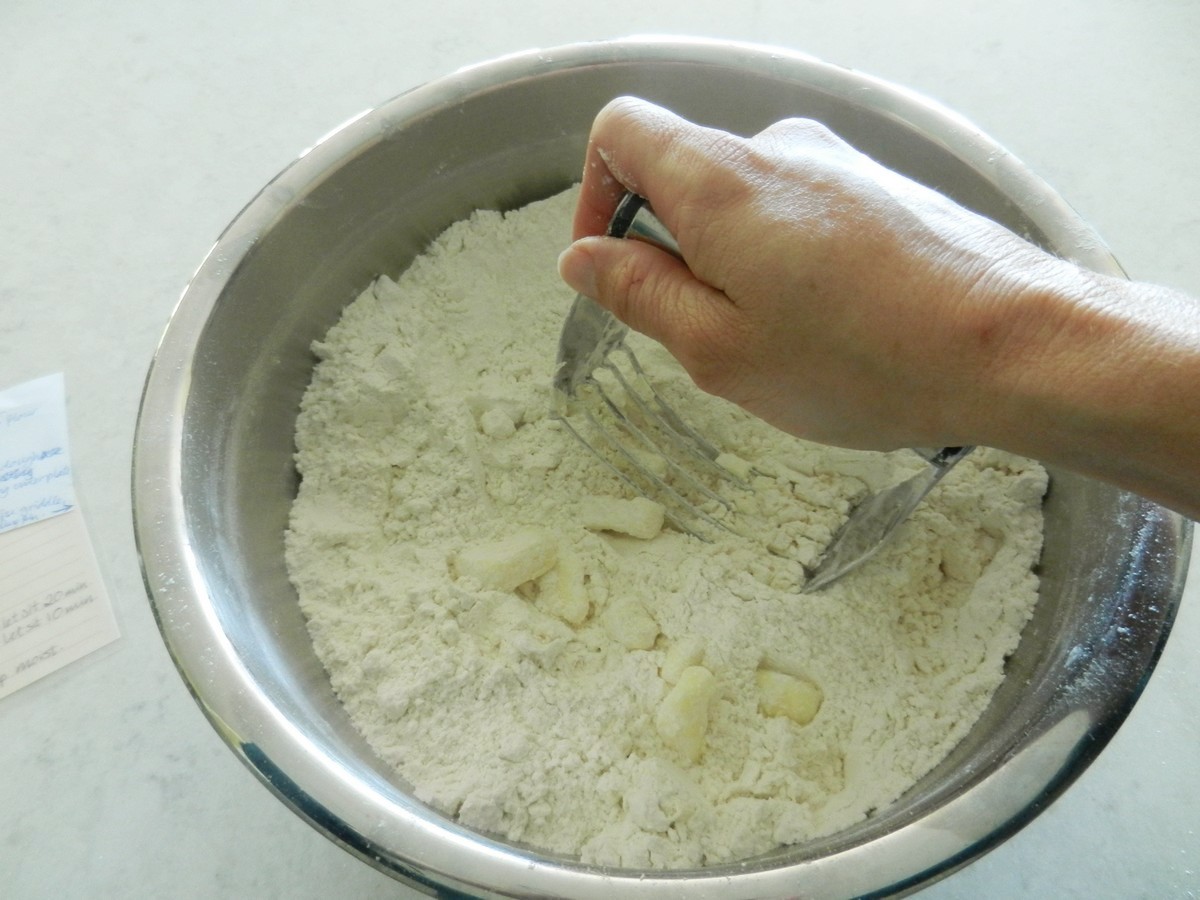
point(649, 290)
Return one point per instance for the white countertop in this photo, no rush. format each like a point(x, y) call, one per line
point(134, 131)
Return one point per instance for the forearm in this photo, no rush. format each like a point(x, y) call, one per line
point(1102, 376)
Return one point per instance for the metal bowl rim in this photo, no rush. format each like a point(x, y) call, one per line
point(272, 747)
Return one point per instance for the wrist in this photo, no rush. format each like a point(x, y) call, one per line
point(1057, 350)
point(1098, 374)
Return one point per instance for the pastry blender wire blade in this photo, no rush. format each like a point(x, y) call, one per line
point(603, 397)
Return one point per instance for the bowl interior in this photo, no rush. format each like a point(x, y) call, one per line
point(214, 476)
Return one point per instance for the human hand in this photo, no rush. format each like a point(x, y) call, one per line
point(822, 292)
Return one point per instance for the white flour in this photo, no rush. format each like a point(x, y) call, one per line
point(638, 702)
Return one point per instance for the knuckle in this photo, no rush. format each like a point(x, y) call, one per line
point(798, 129)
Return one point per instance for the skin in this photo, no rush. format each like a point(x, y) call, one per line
point(846, 304)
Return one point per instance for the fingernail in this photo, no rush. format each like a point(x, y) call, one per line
point(577, 268)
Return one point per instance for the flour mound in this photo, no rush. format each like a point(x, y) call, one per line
point(647, 701)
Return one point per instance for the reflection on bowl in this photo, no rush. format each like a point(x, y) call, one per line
point(213, 473)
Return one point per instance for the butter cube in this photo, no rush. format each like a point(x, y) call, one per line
point(568, 599)
point(686, 652)
point(780, 694)
point(640, 517)
point(506, 564)
point(682, 718)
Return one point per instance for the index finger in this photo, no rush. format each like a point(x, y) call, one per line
point(638, 146)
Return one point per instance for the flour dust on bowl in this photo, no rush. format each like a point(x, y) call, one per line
point(215, 477)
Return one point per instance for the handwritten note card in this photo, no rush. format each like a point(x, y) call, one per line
point(35, 468)
point(53, 606)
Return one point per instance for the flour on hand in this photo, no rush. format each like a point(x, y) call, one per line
point(539, 657)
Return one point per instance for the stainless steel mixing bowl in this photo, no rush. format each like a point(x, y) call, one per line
point(213, 475)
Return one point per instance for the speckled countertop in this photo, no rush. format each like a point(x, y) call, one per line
point(135, 130)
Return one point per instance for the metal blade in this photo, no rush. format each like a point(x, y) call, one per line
point(875, 519)
point(589, 334)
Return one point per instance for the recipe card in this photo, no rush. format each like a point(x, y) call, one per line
point(35, 468)
point(53, 605)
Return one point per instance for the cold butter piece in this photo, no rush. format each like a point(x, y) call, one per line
point(686, 652)
point(780, 694)
point(639, 517)
point(569, 598)
point(506, 564)
point(682, 717)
